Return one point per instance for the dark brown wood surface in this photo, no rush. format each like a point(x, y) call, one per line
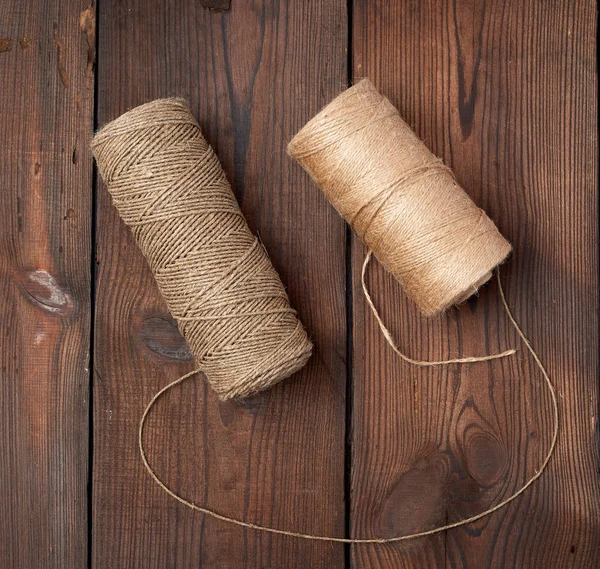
point(46, 107)
point(504, 91)
point(253, 76)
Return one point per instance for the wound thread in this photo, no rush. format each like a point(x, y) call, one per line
point(219, 284)
point(399, 198)
point(216, 278)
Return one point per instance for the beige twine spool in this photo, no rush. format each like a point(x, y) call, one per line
point(399, 198)
point(403, 202)
point(178, 114)
point(218, 282)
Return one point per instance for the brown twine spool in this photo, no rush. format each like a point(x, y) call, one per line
point(215, 276)
point(132, 153)
point(399, 198)
point(403, 202)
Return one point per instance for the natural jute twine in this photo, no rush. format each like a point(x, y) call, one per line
point(474, 282)
point(402, 202)
point(381, 540)
point(399, 198)
point(218, 282)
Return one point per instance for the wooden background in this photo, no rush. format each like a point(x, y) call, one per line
point(358, 443)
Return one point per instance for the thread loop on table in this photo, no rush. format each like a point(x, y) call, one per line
point(357, 541)
point(423, 363)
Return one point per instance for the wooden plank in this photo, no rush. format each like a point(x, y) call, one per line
point(46, 109)
point(253, 76)
point(505, 92)
point(217, 5)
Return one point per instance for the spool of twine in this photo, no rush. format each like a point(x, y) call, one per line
point(399, 198)
point(216, 278)
point(219, 284)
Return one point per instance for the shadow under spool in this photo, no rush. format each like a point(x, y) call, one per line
point(400, 199)
point(219, 284)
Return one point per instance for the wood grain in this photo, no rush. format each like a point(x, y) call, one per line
point(505, 92)
point(216, 5)
point(253, 76)
point(46, 107)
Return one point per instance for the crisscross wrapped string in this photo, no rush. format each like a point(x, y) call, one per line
point(218, 282)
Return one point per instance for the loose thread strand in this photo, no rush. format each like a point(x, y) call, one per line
point(471, 519)
point(422, 363)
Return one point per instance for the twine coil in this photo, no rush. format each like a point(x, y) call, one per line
point(399, 198)
point(218, 282)
point(168, 186)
